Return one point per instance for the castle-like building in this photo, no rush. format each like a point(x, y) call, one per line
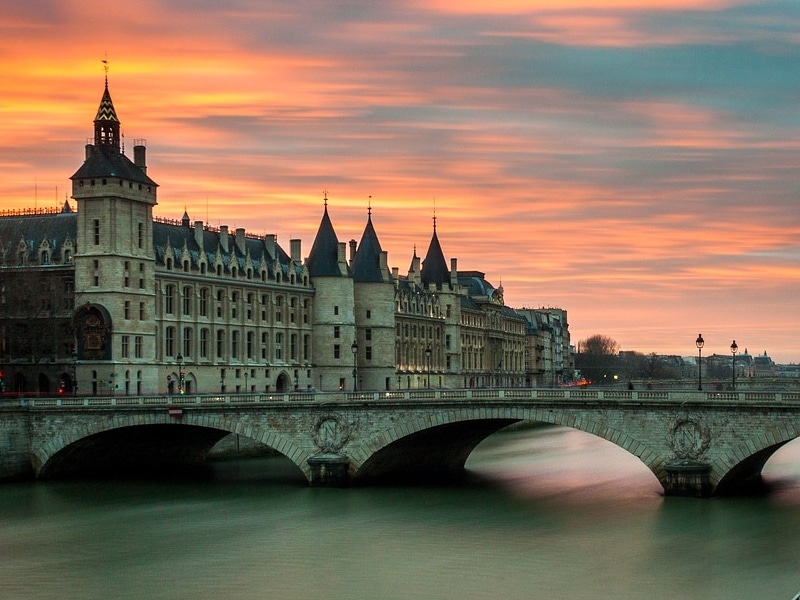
point(109, 299)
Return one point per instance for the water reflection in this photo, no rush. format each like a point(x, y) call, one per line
point(549, 513)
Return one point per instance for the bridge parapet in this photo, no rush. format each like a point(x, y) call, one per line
point(466, 395)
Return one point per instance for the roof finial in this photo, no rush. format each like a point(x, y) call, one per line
point(369, 205)
point(105, 66)
point(325, 197)
point(434, 213)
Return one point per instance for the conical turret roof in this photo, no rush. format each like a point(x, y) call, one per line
point(367, 261)
point(434, 267)
point(323, 260)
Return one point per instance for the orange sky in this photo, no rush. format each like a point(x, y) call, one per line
point(635, 163)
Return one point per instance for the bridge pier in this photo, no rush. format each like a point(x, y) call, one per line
point(688, 478)
point(329, 469)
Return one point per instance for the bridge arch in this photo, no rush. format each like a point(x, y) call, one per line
point(428, 446)
point(741, 468)
point(44, 455)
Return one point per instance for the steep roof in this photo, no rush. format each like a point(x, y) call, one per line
point(434, 267)
point(104, 158)
point(323, 260)
point(367, 261)
point(104, 161)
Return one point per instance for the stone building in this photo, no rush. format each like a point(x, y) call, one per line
point(109, 299)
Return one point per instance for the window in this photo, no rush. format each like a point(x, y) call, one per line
point(141, 276)
point(337, 351)
point(336, 331)
point(234, 344)
point(137, 346)
point(249, 342)
point(306, 347)
point(127, 309)
point(368, 353)
point(169, 346)
point(220, 302)
point(204, 302)
point(293, 346)
point(141, 234)
point(368, 334)
point(234, 305)
point(141, 311)
point(96, 229)
point(187, 300)
point(336, 310)
point(278, 346)
point(125, 346)
point(220, 343)
point(204, 343)
point(369, 314)
point(187, 341)
point(169, 304)
point(264, 345)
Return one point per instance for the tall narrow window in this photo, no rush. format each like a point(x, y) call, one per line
point(96, 228)
point(141, 235)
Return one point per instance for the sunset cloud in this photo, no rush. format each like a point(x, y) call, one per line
point(633, 162)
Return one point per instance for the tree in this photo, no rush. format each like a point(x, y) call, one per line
point(596, 358)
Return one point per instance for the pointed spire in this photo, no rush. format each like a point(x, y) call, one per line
point(323, 260)
point(367, 261)
point(434, 266)
point(106, 123)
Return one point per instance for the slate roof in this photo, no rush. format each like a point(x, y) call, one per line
point(175, 236)
point(434, 267)
point(56, 228)
point(323, 260)
point(105, 161)
point(367, 261)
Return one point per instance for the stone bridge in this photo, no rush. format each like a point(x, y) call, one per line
point(695, 443)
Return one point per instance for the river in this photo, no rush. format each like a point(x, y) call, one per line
point(548, 513)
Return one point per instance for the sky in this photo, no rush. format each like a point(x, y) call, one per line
point(634, 162)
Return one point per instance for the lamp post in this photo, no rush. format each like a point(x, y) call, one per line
point(734, 349)
point(700, 342)
point(180, 373)
point(354, 348)
point(428, 364)
point(74, 372)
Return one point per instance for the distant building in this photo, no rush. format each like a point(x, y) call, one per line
point(109, 299)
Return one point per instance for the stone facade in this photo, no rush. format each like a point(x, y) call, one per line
point(150, 305)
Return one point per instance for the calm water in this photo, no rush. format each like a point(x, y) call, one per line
point(551, 513)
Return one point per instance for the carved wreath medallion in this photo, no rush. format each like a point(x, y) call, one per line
point(331, 433)
point(689, 438)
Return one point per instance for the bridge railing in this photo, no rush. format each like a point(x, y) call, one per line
point(582, 395)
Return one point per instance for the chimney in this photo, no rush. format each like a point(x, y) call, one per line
point(342, 258)
point(270, 240)
point(223, 238)
point(240, 240)
point(198, 233)
point(89, 151)
point(139, 151)
point(454, 271)
point(295, 249)
point(384, 264)
point(352, 251)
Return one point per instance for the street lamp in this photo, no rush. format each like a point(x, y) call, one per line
point(700, 342)
point(354, 348)
point(74, 371)
point(734, 349)
point(428, 363)
point(180, 373)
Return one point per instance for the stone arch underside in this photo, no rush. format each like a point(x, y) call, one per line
point(135, 443)
point(741, 469)
point(438, 448)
